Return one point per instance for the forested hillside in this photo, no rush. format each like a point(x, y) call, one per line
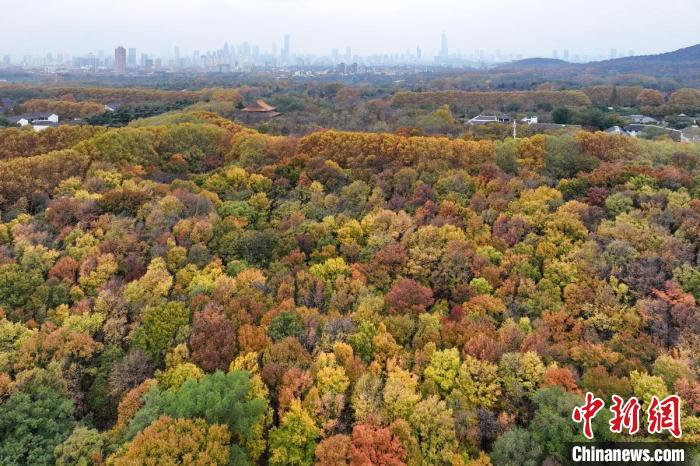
point(189, 290)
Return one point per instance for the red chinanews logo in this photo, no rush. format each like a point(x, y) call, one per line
point(662, 415)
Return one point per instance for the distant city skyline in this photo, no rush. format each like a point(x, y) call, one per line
point(232, 54)
point(243, 56)
point(239, 57)
point(529, 29)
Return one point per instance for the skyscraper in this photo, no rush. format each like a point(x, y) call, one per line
point(444, 52)
point(120, 59)
point(132, 57)
point(286, 49)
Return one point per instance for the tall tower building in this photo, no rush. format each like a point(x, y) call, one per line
point(444, 51)
point(120, 59)
point(286, 51)
point(131, 61)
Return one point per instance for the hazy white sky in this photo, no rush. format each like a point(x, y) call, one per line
point(531, 27)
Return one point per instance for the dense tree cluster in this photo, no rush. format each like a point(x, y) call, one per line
point(186, 290)
point(430, 104)
point(123, 115)
point(524, 100)
point(92, 93)
point(66, 109)
point(25, 142)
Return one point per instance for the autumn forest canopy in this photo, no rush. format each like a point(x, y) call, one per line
point(186, 289)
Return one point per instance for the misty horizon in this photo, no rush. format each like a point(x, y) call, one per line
point(389, 27)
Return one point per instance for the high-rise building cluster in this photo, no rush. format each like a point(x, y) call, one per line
point(246, 56)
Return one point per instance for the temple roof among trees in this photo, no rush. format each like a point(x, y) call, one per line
point(259, 106)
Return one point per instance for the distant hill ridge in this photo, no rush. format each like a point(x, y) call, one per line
point(537, 62)
point(685, 58)
point(684, 54)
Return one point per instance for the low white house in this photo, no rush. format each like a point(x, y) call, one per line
point(636, 130)
point(691, 134)
point(616, 130)
point(530, 120)
point(30, 118)
point(643, 120)
point(40, 125)
point(485, 118)
point(112, 106)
